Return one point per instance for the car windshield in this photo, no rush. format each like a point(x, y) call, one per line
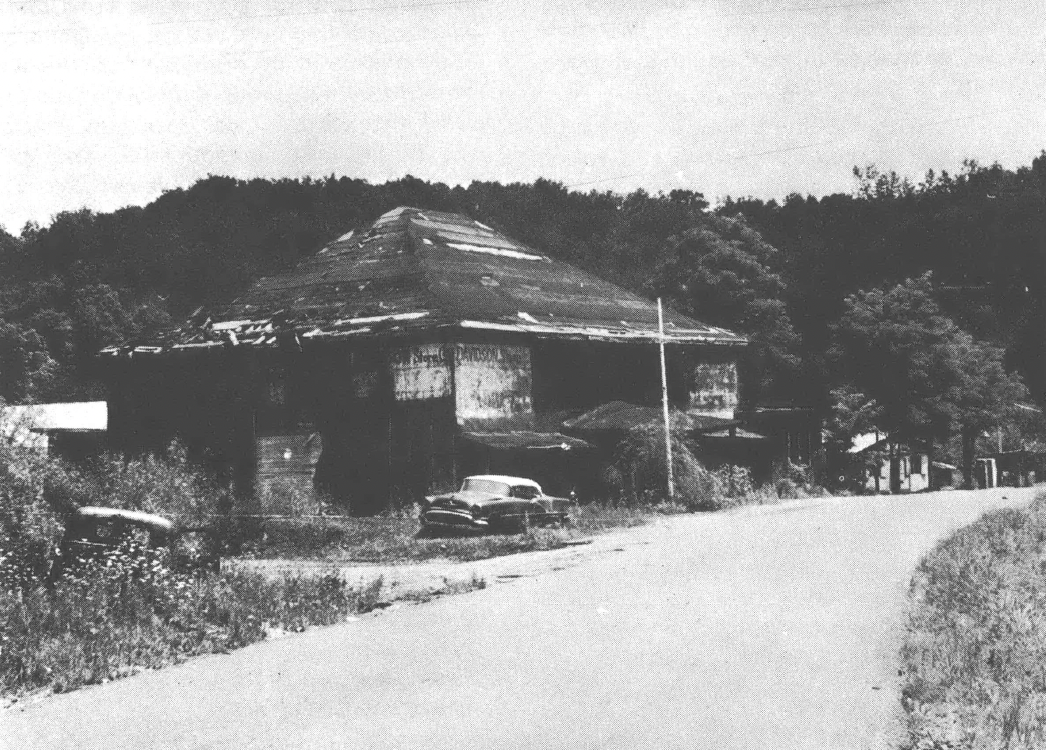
point(492, 486)
point(525, 491)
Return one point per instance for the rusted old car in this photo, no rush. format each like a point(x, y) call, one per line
point(493, 503)
point(91, 532)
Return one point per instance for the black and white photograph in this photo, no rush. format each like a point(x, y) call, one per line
point(453, 374)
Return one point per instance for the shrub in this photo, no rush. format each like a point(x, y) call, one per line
point(38, 492)
point(30, 526)
point(129, 611)
point(640, 462)
point(167, 484)
point(641, 459)
point(285, 496)
point(975, 651)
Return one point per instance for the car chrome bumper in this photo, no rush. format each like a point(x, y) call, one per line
point(449, 519)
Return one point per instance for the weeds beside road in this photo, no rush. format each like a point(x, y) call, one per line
point(130, 612)
point(134, 613)
point(975, 651)
point(394, 538)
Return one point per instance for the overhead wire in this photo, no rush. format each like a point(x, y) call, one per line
point(782, 150)
point(783, 10)
point(268, 16)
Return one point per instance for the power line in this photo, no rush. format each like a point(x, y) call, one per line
point(268, 16)
point(784, 149)
point(437, 3)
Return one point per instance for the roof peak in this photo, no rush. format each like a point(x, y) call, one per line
point(417, 269)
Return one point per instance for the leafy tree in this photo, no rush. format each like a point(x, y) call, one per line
point(26, 369)
point(721, 272)
point(101, 318)
point(897, 350)
point(915, 374)
point(852, 414)
point(985, 396)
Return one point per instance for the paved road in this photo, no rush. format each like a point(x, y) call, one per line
point(764, 628)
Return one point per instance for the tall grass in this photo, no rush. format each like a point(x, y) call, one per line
point(37, 493)
point(129, 612)
point(394, 537)
point(975, 650)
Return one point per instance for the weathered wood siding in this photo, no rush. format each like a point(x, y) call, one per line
point(286, 465)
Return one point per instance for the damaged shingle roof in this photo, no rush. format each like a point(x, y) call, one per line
point(414, 270)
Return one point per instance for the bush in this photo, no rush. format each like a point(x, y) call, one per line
point(286, 496)
point(641, 466)
point(37, 493)
point(641, 460)
point(792, 481)
point(975, 650)
point(129, 611)
point(167, 484)
point(30, 525)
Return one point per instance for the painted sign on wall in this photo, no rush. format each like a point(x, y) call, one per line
point(713, 390)
point(492, 384)
point(420, 372)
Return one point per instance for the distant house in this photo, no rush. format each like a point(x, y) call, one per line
point(944, 475)
point(397, 360)
point(870, 463)
point(71, 430)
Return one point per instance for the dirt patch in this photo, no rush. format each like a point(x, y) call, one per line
point(434, 577)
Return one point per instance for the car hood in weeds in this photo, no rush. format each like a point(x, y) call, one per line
point(487, 503)
point(464, 499)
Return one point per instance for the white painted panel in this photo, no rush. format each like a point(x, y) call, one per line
point(420, 372)
point(713, 389)
point(492, 382)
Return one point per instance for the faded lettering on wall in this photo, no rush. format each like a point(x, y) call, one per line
point(420, 372)
point(492, 384)
point(713, 389)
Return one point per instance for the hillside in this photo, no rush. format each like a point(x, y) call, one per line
point(777, 271)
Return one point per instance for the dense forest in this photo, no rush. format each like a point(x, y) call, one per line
point(783, 272)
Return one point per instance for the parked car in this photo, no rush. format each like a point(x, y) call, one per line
point(490, 502)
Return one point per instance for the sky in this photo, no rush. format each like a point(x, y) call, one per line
point(107, 103)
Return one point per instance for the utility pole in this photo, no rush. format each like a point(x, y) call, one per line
point(664, 401)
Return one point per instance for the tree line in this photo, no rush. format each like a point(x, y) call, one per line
point(869, 301)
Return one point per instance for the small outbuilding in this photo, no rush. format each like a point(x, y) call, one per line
point(71, 430)
point(871, 454)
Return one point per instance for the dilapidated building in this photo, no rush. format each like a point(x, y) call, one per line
point(397, 359)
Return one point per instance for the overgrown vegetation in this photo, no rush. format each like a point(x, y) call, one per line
point(133, 611)
point(130, 612)
point(634, 492)
point(975, 651)
point(639, 475)
point(37, 492)
point(394, 538)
